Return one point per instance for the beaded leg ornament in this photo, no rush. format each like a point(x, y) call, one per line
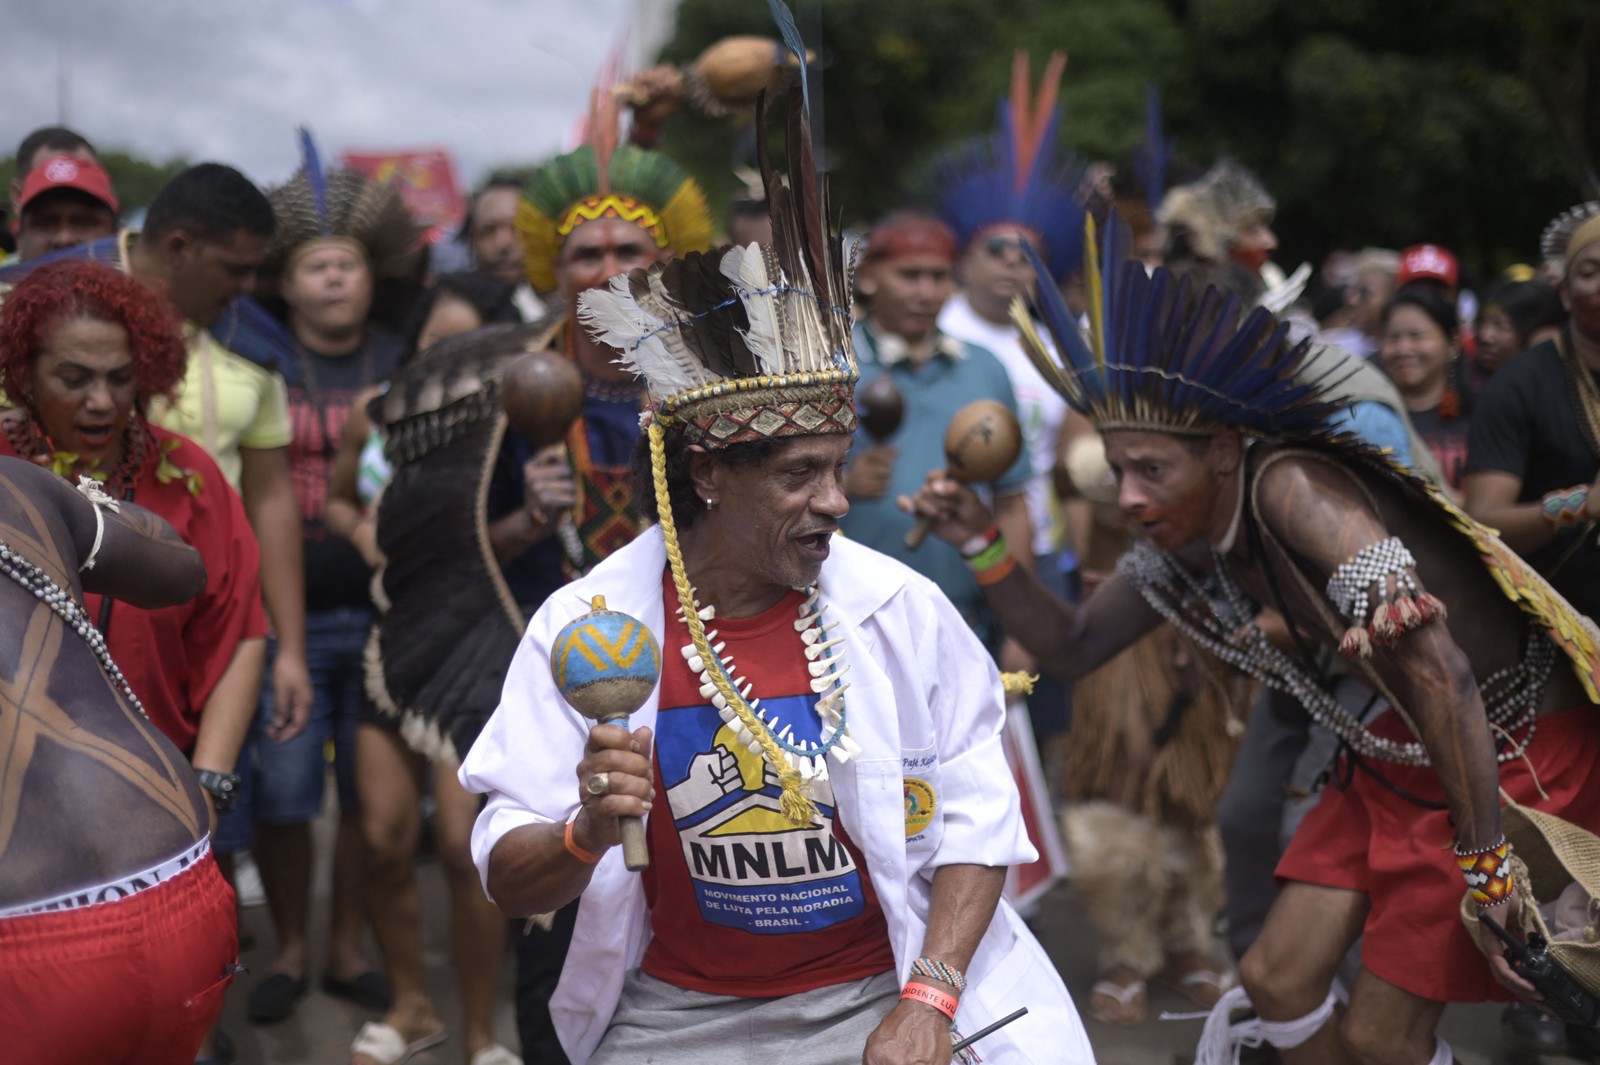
point(1380, 612)
point(796, 765)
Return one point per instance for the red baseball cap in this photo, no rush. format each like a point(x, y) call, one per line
point(68, 172)
point(1428, 262)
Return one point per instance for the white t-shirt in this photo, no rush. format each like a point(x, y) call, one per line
point(1040, 408)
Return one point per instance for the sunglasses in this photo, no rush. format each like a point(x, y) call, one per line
point(1003, 247)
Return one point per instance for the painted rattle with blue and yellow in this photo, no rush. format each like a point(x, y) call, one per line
point(606, 664)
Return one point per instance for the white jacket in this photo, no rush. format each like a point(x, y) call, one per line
point(908, 649)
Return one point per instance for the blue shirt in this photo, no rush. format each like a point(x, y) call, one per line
point(933, 391)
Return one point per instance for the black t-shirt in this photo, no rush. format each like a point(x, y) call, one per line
point(1524, 424)
point(319, 405)
point(1446, 438)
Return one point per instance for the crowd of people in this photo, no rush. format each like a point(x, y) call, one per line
point(1299, 565)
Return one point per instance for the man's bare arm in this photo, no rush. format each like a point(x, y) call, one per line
point(1323, 519)
point(141, 559)
point(1067, 643)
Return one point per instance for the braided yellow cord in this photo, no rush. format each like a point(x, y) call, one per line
point(795, 804)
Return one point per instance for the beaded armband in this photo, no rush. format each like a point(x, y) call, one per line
point(1565, 506)
point(1488, 873)
point(1360, 589)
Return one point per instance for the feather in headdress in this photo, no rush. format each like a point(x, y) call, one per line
point(1161, 357)
point(1018, 176)
point(1151, 160)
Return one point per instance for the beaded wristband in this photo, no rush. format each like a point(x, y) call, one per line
point(573, 849)
point(1488, 872)
point(931, 996)
point(976, 546)
point(938, 970)
point(1565, 506)
point(997, 572)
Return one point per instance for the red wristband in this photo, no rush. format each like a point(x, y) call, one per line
point(929, 995)
point(577, 851)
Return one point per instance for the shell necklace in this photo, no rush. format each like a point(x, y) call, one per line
point(765, 736)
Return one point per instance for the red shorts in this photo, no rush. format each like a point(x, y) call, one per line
point(133, 982)
point(1366, 838)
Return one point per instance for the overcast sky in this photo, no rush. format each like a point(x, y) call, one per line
point(494, 81)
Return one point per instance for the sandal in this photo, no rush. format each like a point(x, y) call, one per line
point(1203, 985)
point(1121, 1004)
point(383, 1044)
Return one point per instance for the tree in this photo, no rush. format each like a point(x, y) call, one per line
point(1373, 121)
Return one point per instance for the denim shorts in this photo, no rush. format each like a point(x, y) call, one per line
point(283, 783)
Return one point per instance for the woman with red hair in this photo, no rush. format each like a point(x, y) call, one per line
point(83, 351)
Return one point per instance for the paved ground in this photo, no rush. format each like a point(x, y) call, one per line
point(320, 1031)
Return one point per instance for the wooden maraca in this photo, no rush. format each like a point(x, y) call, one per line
point(606, 664)
point(982, 442)
point(880, 408)
point(542, 393)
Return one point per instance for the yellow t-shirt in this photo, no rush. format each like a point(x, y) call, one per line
point(226, 402)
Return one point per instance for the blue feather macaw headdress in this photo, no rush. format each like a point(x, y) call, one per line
point(1017, 175)
point(1162, 358)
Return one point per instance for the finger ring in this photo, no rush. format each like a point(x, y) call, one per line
point(599, 784)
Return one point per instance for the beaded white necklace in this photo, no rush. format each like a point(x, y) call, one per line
point(743, 713)
point(1220, 618)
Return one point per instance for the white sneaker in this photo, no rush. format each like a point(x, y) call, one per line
point(247, 880)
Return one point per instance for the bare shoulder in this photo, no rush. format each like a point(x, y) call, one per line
point(1317, 506)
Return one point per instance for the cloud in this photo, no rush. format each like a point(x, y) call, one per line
point(494, 81)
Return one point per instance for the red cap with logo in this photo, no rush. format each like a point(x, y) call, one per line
point(1428, 262)
point(68, 172)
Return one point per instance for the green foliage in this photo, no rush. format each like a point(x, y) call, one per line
point(135, 180)
point(1467, 122)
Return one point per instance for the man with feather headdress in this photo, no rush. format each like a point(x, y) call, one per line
point(1247, 497)
point(811, 853)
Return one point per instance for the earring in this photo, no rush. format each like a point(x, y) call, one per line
point(710, 503)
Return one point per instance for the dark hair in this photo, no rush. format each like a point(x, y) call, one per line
point(55, 138)
point(1428, 299)
point(57, 291)
point(1530, 305)
point(487, 294)
point(500, 179)
point(686, 506)
point(210, 202)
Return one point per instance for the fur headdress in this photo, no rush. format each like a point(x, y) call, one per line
point(341, 205)
point(603, 179)
point(1017, 176)
point(1161, 358)
point(1210, 212)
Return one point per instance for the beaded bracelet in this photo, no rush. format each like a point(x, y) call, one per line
point(572, 847)
point(1488, 872)
point(1565, 506)
point(938, 970)
point(929, 995)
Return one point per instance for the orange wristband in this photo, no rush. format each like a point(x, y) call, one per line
point(578, 852)
point(929, 995)
point(997, 572)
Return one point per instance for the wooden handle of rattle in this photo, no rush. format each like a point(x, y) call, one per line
point(918, 533)
point(635, 854)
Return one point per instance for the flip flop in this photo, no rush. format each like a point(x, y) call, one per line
point(370, 990)
point(273, 999)
point(384, 1044)
point(1203, 987)
point(1132, 1003)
